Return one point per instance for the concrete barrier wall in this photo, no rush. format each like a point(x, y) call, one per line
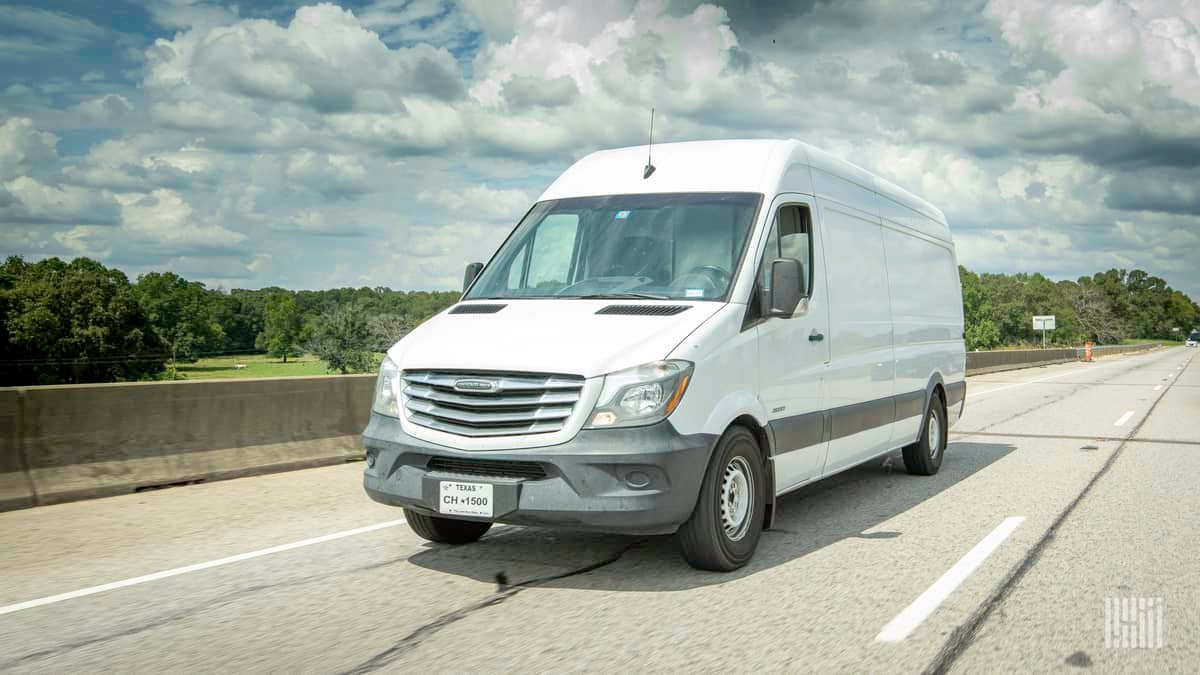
point(71, 442)
point(979, 363)
point(1011, 359)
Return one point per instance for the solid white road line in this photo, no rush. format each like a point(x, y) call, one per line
point(1157, 387)
point(915, 614)
point(1123, 419)
point(49, 600)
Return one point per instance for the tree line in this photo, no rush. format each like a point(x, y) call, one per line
point(1105, 308)
point(79, 321)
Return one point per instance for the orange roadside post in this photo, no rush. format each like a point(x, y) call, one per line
point(1087, 352)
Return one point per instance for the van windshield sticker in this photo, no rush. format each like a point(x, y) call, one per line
point(694, 293)
point(621, 215)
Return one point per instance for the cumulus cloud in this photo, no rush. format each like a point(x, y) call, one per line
point(334, 176)
point(107, 110)
point(319, 223)
point(1127, 84)
point(27, 200)
point(155, 226)
point(393, 142)
point(22, 146)
point(323, 70)
point(481, 202)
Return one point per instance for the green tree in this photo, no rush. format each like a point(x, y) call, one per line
point(342, 338)
point(181, 314)
point(71, 323)
point(387, 329)
point(282, 327)
point(981, 331)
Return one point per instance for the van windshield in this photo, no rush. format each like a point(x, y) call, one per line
point(1195, 335)
point(665, 246)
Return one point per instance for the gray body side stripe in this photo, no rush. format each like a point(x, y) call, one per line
point(955, 392)
point(801, 431)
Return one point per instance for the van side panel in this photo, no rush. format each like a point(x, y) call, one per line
point(860, 380)
point(927, 317)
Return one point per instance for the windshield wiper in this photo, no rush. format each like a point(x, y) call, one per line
point(623, 296)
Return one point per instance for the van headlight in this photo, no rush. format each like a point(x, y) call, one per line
point(642, 395)
point(387, 389)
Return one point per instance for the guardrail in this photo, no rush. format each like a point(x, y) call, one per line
point(62, 443)
point(979, 363)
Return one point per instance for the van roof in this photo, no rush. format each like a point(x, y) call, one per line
point(725, 166)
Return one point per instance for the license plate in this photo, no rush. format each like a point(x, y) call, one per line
point(465, 499)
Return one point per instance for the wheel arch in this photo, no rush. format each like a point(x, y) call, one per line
point(935, 387)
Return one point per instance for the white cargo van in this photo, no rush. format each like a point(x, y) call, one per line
point(671, 349)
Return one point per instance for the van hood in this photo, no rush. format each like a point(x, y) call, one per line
point(548, 336)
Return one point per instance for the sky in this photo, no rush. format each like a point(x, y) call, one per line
point(389, 143)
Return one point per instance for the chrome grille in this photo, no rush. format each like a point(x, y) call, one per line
point(490, 404)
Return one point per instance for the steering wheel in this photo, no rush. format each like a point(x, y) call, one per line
point(714, 277)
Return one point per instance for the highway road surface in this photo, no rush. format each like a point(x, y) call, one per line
point(1066, 491)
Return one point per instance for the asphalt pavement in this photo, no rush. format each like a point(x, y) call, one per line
point(1064, 491)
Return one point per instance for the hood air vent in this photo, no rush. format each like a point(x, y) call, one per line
point(643, 310)
point(477, 309)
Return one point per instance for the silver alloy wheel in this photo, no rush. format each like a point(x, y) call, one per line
point(737, 498)
point(935, 434)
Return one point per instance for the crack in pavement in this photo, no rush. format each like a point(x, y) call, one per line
point(218, 602)
point(964, 635)
point(1074, 437)
point(424, 632)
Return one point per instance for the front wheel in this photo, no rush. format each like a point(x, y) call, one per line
point(924, 457)
point(723, 531)
point(445, 530)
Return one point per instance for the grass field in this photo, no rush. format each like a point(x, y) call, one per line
point(257, 365)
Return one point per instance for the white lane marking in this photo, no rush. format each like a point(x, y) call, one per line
point(915, 614)
point(1157, 387)
point(92, 590)
point(1168, 375)
point(1123, 419)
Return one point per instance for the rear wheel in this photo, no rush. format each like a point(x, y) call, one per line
point(445, 530)
point(924, 457)
point(723, 531)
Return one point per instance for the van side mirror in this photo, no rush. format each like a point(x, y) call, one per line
point(786, 293)
point(473, 270)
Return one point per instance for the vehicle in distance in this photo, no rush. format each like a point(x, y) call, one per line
point(669, 350)
point(1193, 339)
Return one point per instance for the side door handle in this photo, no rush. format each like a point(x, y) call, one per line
point(816, 336)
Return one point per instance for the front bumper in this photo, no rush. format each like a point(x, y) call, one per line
point(643, 480)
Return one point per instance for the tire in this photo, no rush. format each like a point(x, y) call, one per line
point(924, 457)
point(711, 540)
point(445, 530)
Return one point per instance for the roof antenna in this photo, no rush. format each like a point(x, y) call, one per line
point(649, 167)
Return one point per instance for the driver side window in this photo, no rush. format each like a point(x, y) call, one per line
point(790, 237)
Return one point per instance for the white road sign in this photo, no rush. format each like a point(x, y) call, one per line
point(1043, 322)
